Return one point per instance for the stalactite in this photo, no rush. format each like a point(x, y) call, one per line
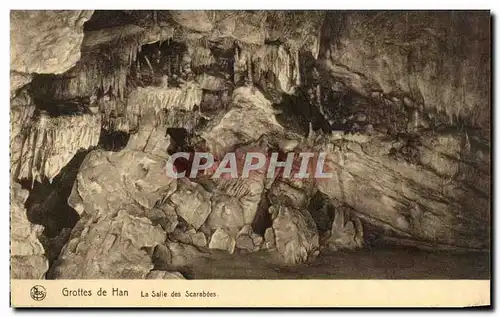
point(281, 62)
point(51, 142)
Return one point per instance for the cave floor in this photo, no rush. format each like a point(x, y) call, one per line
point(377, 263)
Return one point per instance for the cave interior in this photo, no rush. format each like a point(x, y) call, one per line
point(398, 101)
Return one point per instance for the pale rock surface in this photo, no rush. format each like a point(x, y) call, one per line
point(27, 253)
point(227, 212)
point(346, 231)
point(17, 81)
point(46, 42)
point(183, 255)
point(22, 110)
point(128, 180)
point(50, 142)
point(269, 239)
point(164, 275)
point(196, 20)
point(192, 203)
point(296, 234)
point(256, 65)
point(283, 193)
point(441, 198)
point(222, 241)
point(250, 117)
point(108, 247)
point(164, 215)
point(248, 240)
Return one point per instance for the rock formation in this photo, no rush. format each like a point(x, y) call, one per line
point(397, 101)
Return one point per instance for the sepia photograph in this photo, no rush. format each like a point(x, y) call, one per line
point(244, 145)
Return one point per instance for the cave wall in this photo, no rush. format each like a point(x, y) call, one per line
point(399, 101)
point(438, 62)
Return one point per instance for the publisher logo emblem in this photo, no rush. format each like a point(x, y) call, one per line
point(38, 292)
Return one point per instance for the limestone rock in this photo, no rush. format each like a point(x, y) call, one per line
point(108, 247)
point(128, 180)
point(361, 55)
point(346, 232)
point(439, 199)
point(28, 267)
point(193, 19)
point(189, 237)
point(222, 241)
point(165, 216)
point(192, 203)
point(151, 138)
point(17, 81)
point(46, 42)
point(296, 234)
point(247, 240)
point(250, 117)
point(256, 66)
point(164, 275)
point(27, 253)
point(227, 212)
point(22, 111)
point(210, 82)
point(182, 255)
point(51, 142)
point(269, 239)
point(283, 193)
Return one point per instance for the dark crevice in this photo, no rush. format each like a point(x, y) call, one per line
point(157, 60)
point(113, 140)
point(102, 19)
point(262, 219)
point(47, 205)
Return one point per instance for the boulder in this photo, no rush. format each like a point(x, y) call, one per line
point(297, 238)
point(109, 247)
point(192, 203)
point(46, 41)
point(222, 241)
point(112, 181)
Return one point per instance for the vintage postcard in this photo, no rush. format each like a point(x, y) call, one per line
point(252, 158)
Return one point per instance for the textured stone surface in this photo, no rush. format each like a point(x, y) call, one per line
point(193, 19)
point(17, 81)
point(247, 240)
point(296, 234)
point(164, 275)
point(250, 117)
point(46, 41)
point(346, 231)
point(108, 247)
point(273, 67)
point(283, 193)
point(113, 181)
point(269, 239)
point(192, 203)
point(182, 255)
point(222, 240)
point(189, 237)
point(27, 253)
point(437, 59)
point(227, 212)
point(50, 142)
point(440, 197)
point(164, 215)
